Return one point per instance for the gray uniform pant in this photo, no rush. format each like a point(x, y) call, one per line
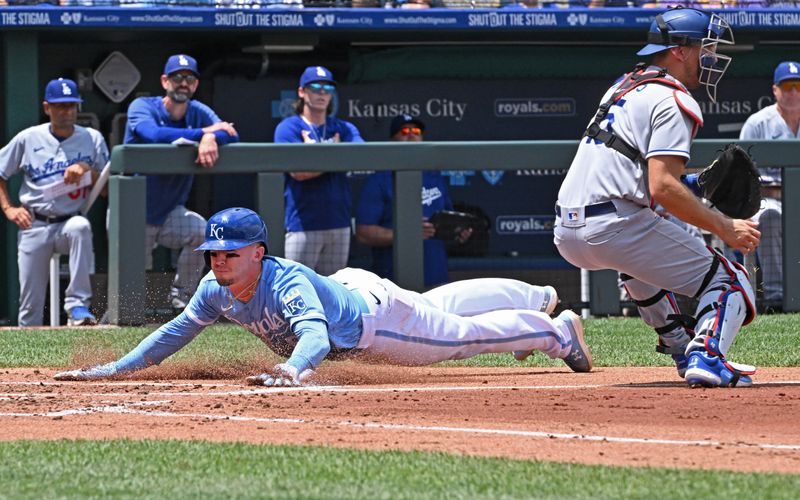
point(182, 230)
point(325, 251)
point(770, 251)
point(658, 254)
point(36, 246)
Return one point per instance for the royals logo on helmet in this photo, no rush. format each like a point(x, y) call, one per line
point(215, 231)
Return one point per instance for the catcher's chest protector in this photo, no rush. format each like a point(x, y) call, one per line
point(639, 76)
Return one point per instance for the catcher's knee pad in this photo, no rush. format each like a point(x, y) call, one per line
point(659, 309)
point(726, 305)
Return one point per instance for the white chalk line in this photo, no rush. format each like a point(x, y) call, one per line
point(329, 388)
point(123, 409)
point(316, 388)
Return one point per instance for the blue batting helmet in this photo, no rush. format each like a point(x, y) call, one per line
point(234, 228)
point(681, 26)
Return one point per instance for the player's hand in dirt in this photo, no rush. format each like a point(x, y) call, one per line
point(95, 372)
point(282, 375)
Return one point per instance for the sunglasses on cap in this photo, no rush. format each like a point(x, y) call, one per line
point(320, 87)
point(788, 85)
point(410, 130)
point(177, 78)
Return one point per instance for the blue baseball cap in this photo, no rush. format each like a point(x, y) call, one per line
point(316, 74)
point(62, 90)
point(181, 62)
point(403, 119)
point(787, 70)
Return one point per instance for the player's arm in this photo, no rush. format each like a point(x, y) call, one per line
point(374, 235)
point(10, 160)
point(664, 174)
point(155, 348)
point(18, 215)
point(311, 348)
point(216, 133)
point(373, 204)
point(142, 122)
point(350, 133)
point(73, 173)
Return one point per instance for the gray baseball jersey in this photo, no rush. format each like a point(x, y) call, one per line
point(599, 173)
point(767, 124)
point(43, 159)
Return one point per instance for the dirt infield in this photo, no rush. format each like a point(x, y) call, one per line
point(613, 416)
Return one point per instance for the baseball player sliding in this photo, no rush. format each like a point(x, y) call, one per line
point(59, 160)
point(633, 155)
point(355, 314)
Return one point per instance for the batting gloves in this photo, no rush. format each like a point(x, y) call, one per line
point(282, 374)
point(100, 371)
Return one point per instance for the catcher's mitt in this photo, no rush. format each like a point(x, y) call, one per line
point(449, 224)
point(731, 183)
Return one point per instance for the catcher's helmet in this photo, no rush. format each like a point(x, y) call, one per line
point(681, 26)
point(234, 228)
point(692, 27)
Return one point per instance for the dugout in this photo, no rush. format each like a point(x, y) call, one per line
point(499, 73)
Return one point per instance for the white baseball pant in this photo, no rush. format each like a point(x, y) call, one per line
point(408, 328)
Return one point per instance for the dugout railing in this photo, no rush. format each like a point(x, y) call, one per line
point(126, 277)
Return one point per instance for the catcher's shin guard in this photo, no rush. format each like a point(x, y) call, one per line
point(726, 305)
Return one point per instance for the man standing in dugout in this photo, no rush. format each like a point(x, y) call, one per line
point(176, 118)
point(633, 155)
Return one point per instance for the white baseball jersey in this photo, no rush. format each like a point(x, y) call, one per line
point(768, 124)
point(43, 159)
point(653, 118)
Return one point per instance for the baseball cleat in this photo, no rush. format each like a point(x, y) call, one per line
point(705, 370)
point(80, 316)
point(178, 304)
point(550, 303)
point(579, 358)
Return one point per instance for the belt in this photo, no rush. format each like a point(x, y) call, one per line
point(53, 219)
point(606, 207)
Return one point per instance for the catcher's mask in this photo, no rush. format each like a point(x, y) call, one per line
point(233, 228)
point(691, 27)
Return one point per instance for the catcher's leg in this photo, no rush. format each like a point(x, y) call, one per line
point(659, 310)
point(726, 304)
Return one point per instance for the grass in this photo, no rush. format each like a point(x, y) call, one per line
point(182, 469)
point(770, 340)
point(192, 469)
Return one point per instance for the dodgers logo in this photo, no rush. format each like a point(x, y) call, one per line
point(294, 303)
point(216, 232)
point(183, 61)
point(65, 90)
